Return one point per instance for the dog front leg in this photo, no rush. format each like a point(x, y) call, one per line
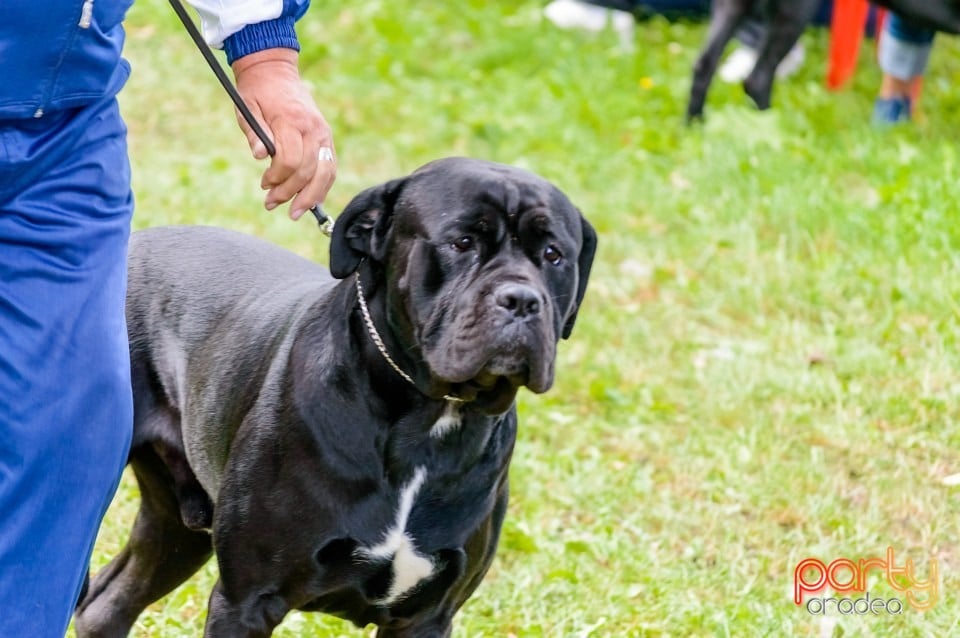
point(786, 27)
point(255, 616)
point(726, 16)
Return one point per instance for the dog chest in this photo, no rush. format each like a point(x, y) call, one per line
point(433, 527)
point(399, 548)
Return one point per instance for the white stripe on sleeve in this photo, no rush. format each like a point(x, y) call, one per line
point(222, 18)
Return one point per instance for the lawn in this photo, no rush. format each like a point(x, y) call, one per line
point(766, 368)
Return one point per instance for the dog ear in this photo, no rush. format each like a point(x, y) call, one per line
point(360, 230)
point(584, 262)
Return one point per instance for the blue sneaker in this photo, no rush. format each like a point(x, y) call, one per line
point(891, 110)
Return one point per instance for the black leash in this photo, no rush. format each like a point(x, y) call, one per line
point(325, 221)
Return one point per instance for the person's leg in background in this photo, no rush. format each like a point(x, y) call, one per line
point(904, 51)
point(597, 15)
point(621, 15)
point(65, 398)
point(594, 17)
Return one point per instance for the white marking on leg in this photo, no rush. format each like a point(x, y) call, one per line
point(409, 567)
point(448, 421)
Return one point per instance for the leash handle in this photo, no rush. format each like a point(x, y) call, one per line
point(324, 220)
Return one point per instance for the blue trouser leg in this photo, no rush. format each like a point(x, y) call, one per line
point(904, 48)
point(65, 401)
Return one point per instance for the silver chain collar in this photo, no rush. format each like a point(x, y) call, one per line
point(372, 329)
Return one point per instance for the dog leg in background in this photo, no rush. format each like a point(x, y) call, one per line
point(786, 26)
point(725, 18)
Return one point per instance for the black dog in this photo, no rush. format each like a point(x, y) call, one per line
point(347, 442)
point(786, 20)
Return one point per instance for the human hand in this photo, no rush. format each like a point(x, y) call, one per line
point(269, 82)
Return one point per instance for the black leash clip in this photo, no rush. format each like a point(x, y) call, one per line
point(324, 220)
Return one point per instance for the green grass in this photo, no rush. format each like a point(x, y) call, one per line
point(766, 367)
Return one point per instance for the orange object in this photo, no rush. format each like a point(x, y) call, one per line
point(846, 33)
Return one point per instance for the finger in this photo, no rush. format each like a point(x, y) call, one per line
point(257, 146)
point(315, 192)
point(289, 169)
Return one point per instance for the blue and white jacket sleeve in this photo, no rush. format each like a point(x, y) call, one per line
point(243, 27)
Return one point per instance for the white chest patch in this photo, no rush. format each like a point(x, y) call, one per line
point(409, 567)
point(448, 421)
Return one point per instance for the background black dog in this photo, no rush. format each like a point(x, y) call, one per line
point(786, 20)
point(346, 441)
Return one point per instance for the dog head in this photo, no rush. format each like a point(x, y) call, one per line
point(485, 267)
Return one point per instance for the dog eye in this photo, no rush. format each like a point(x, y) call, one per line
point(464, 243)
point(552, 255)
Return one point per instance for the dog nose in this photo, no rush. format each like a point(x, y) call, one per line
point(518, 299)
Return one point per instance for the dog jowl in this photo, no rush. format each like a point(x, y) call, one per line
point(341, 443)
